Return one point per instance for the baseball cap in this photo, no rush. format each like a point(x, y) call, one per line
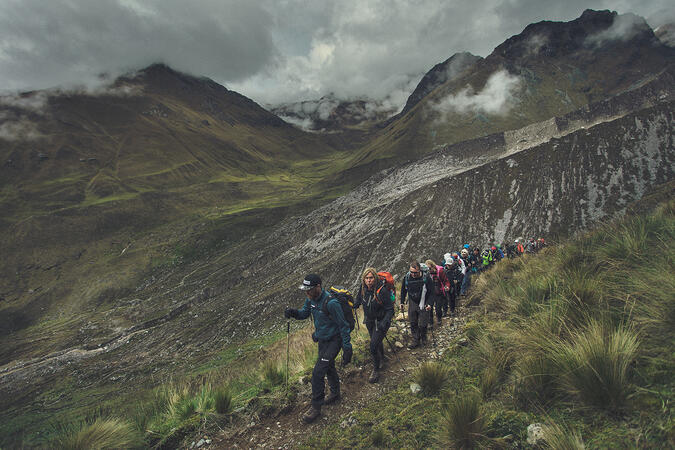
point(310, 281)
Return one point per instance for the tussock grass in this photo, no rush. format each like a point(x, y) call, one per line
point(557, 437)
point(463, 423)
point(272, 374)
point(432, 378)
point(222, 400)
point(102, 433)
point(594, 365)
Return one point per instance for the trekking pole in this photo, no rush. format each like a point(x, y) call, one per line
point(288, 346)
point(393, 350)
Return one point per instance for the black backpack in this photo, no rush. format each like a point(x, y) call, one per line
point(346, 300)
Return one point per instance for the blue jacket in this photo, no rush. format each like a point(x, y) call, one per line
point(326, 325)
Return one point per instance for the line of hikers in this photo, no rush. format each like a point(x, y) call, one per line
point(431, 290)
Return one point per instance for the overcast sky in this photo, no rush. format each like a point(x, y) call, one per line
point(269, 50)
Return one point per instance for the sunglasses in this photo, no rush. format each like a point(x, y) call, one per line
point(414, 272)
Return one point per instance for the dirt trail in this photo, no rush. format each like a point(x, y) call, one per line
point(287, 430)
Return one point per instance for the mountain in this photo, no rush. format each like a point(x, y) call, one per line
point(330, 114)
point(550, 69)
point(157, 228)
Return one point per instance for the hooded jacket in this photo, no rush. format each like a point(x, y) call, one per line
point(326, 325)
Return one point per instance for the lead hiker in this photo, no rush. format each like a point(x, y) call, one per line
point(378, 310)
point(416, 286)
point(332, 333)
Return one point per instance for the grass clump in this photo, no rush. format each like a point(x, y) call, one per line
point(594, 365)
point(222, 400)
point(273, 375)
point(557, 437)
point(102, 433)
point(432, 378)
point(463, 423)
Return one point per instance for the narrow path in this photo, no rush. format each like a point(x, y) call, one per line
point(287, 430)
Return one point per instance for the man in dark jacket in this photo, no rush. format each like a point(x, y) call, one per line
point(418, 287)
point(332, 333)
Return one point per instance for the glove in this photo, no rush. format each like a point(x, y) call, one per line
point(347, 354)
point(290, 312)
point(314, 338)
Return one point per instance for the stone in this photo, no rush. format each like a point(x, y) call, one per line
point(535, 433)
point(415, 388)
point(398, 344)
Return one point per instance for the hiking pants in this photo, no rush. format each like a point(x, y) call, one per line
point(325, 367)
point(466, 282)
point(377, 334)
point(452, 295)
point(418, 319)
point(438, 300)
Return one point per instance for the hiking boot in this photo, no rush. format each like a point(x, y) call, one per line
point(312, 414)
point(332, 398)
point(374, 376)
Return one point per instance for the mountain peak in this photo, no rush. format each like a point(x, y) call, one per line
point(592, 30)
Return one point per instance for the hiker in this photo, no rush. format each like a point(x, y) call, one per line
point(378, 310)
point(511, 250)
point(476, 261)
point(466, 281)
point(519, 247)
point(332, 333)
point(499, 254)
point(486, 257)
point(531, 247)
point(439, 293)
point(416, 286)
point(453, 273)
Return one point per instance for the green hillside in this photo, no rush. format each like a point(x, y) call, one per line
point(577, 338)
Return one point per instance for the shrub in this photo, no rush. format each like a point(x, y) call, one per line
point(102, 433)
point(534, 380)
point(463, 423)
point(594, 365)
point(204, 400)
point(272, 374)
point(223, 400)
point(432, 378)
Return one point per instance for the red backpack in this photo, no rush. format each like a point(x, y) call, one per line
point(386, 279)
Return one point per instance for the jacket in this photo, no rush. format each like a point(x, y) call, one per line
point(380, 309)
point(418, 289)
point(326, 325)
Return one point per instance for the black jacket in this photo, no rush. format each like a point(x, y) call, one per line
point(413, 288)
point(379, 309)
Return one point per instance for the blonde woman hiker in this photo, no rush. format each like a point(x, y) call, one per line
point(378, 310)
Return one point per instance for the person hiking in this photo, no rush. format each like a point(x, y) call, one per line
point(531, 246)
point(486, 257)
point(498, 253)
point(454, 274)
point(378, 310)
point(439, 292)
point(331, 333)
point(519, 247)
point(416, 286)
point(476, 261)
point(466, 281)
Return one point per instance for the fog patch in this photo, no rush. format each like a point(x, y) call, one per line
point(19, 130)
point(535, 43)
point(497, 97)
point(624, 28)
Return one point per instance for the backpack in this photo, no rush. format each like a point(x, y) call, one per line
point(346, 300)
point(386, 279)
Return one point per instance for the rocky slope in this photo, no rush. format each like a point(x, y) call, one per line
point(553, 177)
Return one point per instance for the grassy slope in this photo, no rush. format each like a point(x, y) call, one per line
point(536, 309)
point(515, 369)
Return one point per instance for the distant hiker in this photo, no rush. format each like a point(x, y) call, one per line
point(531, 246)
point(486, 258)
point(332, 333)
point(439, 293)
point(519, 247)
point(378, 310)
point(476, 261)
point(499, 254)
point(454, 274)
point(466, 281)
point(417, 287)
point(511, 250)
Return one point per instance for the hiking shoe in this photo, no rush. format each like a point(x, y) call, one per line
point(332, 398)
point(311, 415)
point(374, 376)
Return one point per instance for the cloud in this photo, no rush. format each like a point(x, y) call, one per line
point(497, 97)
point(270, 50)
point(624, 28)
point(21, 129)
